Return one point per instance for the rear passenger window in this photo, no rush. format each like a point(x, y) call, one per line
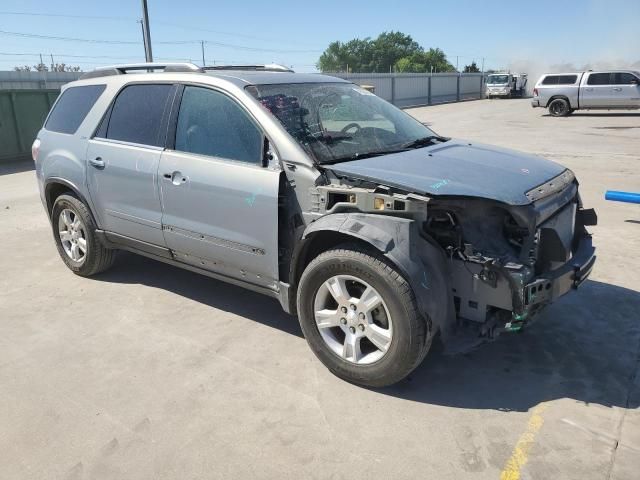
point(599, 79)
point(559, 80)
point(623, 78)
point(72, 107)
point(211, 123)
point(567, 79)
point(136, 115)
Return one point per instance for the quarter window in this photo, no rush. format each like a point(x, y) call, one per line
point(599, 79)
point(72, 107)
point(210, 123)
point(137, 113)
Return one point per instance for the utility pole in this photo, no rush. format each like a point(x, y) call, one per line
point(144, 39)
point(204, 62)
point(146, 33)
point(52, 64)
point(457, 69)
point(483, 65)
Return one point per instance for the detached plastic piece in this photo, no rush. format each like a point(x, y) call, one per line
point(627, 197)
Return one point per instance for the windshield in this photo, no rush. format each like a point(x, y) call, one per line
point(494, 79)
point(336, 122)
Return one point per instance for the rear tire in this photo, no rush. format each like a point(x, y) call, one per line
point(75, 237)
point(401, 336)
point(559, 107)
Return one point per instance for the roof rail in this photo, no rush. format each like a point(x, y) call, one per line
point(271, 67)
point(141, 67)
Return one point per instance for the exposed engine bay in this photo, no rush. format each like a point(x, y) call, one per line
point(503, 263)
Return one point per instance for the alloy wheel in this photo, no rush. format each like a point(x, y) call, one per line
point(353, 319)
point(72, 235)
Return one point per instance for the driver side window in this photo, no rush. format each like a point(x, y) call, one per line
point(211, 123)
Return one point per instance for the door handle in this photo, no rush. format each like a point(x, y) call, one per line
point(617, 89)
point(588, 89)
point(97, 162)
point(176, 177)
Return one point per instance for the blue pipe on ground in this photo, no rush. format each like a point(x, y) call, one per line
point(627, 197)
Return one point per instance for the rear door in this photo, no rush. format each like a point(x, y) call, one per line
point(626, 90)
point(220, 204)
point(123, 159)
point(597, 91)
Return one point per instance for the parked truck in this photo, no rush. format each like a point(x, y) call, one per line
point(506, 85)
point(563, 93)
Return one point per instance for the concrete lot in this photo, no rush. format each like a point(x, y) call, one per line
point(151, 372)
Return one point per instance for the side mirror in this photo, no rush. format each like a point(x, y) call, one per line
point(635, 81)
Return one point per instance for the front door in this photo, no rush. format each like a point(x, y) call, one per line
point(597, 92)
point(220, 204)
point(626, 90)
point(122, 163)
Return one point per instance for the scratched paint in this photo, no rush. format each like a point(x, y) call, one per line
point(440, 184)
point(251, 199)
point(520, 455)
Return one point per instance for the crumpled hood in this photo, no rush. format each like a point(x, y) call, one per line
point(457, 167)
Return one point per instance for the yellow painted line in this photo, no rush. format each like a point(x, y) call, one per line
point(520, 454)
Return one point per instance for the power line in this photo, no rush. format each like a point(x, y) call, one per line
point(88, 40)
point(60, 15)
point(174, 42)
point(132, 19)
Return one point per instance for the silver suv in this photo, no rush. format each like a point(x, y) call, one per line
point(373, 229)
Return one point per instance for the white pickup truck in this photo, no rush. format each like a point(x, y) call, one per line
point(563, 93)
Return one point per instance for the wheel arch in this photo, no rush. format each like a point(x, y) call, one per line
point(56, 186)
point(556, 97)
point(422, 263)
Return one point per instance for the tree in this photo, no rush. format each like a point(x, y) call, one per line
point(389, 51)
point(473, 68)
point(390, 47)
point(63, 67)
point(432, 60)
point(41, 67)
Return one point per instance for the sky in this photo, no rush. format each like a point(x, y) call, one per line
point(532, 34)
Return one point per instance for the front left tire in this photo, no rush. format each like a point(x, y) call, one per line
point(75, 237)
point(360, 317)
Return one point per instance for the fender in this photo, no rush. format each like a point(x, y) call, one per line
point(421, 261)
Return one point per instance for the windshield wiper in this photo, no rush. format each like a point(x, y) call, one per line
point(360, 156)
point(420, 142)
point(424, 141)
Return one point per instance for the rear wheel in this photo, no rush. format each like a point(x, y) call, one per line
point(559, 107)
point(74, 234)
point(360, 317)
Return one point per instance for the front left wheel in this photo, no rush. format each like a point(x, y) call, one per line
point(360, 317)
point(74, 234)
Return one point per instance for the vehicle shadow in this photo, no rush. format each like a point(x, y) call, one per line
point(7, 167)
point(135, 269)
point(599, 114)
point(585, 347)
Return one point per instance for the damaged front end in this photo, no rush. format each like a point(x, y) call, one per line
point(471, 261)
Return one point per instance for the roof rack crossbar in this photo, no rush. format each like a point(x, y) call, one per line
point(141, 67)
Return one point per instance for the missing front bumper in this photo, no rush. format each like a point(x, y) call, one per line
point(570, 276)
